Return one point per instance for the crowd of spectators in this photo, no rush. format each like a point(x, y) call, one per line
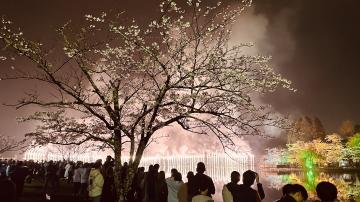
point(96, 182)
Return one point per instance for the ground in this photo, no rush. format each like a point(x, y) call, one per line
point(33, 192)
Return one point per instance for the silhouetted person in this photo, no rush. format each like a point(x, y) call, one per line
point(199, 179)
point(235, 192)
point(108, 164)
point(161, 191)
point(326, 191)
point(139, 184)
point(173, 171)
point(148, 176)
point(18, 177)
point(294, 193)
point(58, 175)
point(7, 188)
point(183, 193)
point(303, 191)
point(245, 192)
point(156, 168)
point(108, 191)
point(288, 194)
point(50, 180)
point(286, 189)
point(228, 195)
point(150, 182)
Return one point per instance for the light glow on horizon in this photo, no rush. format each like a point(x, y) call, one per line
point(219, 165)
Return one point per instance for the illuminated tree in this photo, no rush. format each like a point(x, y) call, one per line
point(306, 129)
point(122, 82)
point(331, 150)
point(68, 152)
point(353, 147)
point(317, 152)
point(345, 189)
point(8, 144)
point(277, 156)
point(303, 154)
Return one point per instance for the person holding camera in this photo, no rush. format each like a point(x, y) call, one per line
point(235, 192)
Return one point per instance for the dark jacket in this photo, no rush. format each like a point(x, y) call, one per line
point(19, 174)
point(243, 193)
point(161, 191)
point(198, 179)
point(7, 190)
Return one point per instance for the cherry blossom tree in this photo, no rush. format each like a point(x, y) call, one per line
point(353, 148)
point(122, 82)
point(68, 152)
point(8, 144)
point(276, 156)
point(328, 152)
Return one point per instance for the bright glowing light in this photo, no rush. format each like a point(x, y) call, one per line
point(354, 141)
point(308, 159)
point(219, 165)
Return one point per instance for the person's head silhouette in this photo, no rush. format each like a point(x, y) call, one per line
point(297, 192)
point(190, 175)
point(249, 177)
point(235, 177)
point(178, 177)
point(303, 191)
point(156, 167)
point(200, 168)
point(326, 191)
point(108, 158)
point(173, 172)
point(286, 189)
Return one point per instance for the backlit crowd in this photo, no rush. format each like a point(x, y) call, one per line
point(96, 182)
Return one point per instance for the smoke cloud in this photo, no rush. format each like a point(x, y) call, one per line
point(250, 28)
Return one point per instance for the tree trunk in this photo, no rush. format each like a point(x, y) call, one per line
point(123, 187)
point(118, 164)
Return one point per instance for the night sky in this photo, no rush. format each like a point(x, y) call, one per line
point(315, 44)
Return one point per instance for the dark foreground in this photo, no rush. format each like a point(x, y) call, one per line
point(33, 192)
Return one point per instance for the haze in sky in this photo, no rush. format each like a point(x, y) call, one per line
point(315, 44)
